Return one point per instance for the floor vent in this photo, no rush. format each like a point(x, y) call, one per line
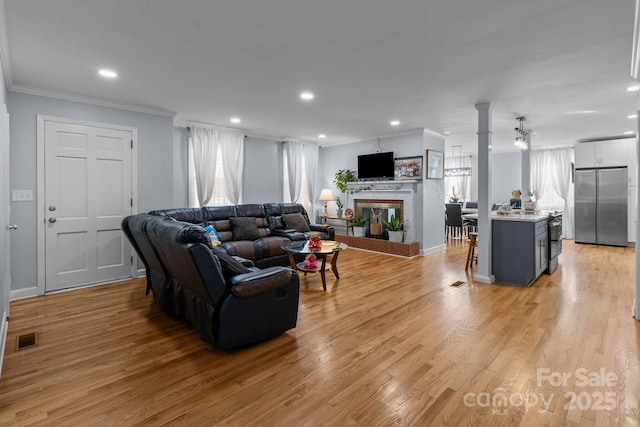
point(27, 340)
point(458, 283)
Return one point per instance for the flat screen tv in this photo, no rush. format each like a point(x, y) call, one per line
point(378, 166)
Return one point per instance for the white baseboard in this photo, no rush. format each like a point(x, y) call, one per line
point(23, 293)
point(4, 327)
point(433, 250)
point(484, 279)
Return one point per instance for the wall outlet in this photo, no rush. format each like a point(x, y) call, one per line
point(21, 195)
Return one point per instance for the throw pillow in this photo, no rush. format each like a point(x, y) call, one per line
point(296, 221)
point(244, 228)
point(230, 266)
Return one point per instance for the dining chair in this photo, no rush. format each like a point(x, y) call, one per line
point(453, 222)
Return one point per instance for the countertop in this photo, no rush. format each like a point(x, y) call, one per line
point(519, 216)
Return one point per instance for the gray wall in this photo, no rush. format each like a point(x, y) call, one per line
point(506, 175)
point(262, 171)
point(433, 203)
point(156, 166)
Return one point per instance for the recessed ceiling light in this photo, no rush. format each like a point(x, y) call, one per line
point(632, 116)
point(307, 96)
point(447, 133)
point(109, 74)
point(322, 136)
point(234, 119)
point(394, 122)
point(629, 132)
point(633, 88)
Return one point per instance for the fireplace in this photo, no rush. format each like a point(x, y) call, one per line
point(385, 208)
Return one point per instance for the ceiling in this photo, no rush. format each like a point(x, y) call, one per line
point(564, 64)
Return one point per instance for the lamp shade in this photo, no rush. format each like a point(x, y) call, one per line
point(326, 194)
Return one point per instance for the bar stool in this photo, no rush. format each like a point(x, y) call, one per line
point(472, 254)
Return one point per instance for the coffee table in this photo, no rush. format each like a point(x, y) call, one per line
point(329, 247)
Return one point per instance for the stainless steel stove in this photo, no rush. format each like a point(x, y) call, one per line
point(554, 227)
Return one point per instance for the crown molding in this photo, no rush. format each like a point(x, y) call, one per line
point(434, 133)
point(30, 90)
point(4, 48)
point(373, 138)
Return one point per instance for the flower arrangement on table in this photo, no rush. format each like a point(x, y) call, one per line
point(315, 244)
point(311, 261)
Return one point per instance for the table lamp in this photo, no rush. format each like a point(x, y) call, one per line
point(326, 195)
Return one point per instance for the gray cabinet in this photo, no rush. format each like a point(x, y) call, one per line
point(519, 250)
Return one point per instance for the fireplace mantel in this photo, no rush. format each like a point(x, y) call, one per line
point(408, 185)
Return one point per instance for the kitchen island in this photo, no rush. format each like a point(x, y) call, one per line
point(519, 247)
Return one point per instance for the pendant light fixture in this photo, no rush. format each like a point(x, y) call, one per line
point(521, 136)
point(458, 170)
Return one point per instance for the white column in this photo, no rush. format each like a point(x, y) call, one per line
point(484, 194)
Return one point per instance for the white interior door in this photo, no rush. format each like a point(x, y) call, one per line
point(88, 192)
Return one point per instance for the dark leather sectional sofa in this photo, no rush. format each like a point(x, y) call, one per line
point(237, 294)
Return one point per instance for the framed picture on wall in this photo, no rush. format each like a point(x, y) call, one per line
point(407, 167)
point(435, 164)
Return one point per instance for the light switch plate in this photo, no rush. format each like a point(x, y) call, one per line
point(21, 195)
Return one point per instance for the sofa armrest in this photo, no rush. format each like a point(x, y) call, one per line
point(244, 261)
point(323, 228)
point(260, 282)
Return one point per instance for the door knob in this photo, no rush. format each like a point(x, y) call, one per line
point(52, 220)
point(52, 208)
point(12, 227)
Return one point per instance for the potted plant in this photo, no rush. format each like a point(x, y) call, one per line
point(345, 176)
point(342, 177)
point(394, 228)
point(530, 205)
point(340, 206)
point(360, 226)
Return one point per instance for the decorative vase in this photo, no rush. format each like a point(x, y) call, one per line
point(529, 206)
point(375, 229)
point(339, 213)
point(359, 231)
point(396, 236)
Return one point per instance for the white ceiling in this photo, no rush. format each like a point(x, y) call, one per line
point(425, 63)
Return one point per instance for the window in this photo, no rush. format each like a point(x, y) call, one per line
point(218, 198)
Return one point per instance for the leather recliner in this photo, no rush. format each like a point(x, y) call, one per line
point(166, 293)
point(228, 312)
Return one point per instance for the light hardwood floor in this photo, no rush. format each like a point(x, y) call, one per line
point(390, 343)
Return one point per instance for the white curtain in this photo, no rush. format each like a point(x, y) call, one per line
point(204, 149)
point(294, 154)
point(311, 153)
point(551, 179)
point(561, 182)
point(232, 149)
point(540, 167)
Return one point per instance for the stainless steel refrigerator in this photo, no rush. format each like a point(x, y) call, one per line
point(601, 206)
